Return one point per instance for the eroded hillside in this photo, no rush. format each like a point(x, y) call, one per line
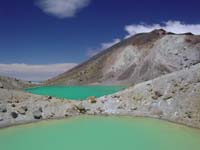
point(139, 58)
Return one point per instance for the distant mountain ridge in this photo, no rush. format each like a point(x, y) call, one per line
point(139, 58)
point(13, 83)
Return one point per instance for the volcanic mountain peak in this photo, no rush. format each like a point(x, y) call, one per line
point(139, 58)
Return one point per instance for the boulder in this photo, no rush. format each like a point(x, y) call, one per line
point(80, 109)
point(49, 97)
point(157, 112)
point(22, 110)
point(189, 114)
point(166, 97)
point(92, 99)
point(1, 85)
point(134, 108)
point(100, 110)
point(14, 115)
point(37, 114)
point(13, 105)
point(3, 109)
point(156, 95)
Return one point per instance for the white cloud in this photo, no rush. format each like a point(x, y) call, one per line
point(170, 26)
point(103, 46)
point(62, 8)
point(34, 72)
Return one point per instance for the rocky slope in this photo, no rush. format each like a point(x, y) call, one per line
point(12, 83)
point(17, 107)
point(174, 97)
point(139, 58)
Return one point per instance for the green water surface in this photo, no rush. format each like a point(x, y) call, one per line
point(75, 92)
point(100, 133)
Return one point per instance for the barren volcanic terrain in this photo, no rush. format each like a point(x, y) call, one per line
point(161, 69)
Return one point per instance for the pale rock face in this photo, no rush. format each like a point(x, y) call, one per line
point(174, 97)
point(126, 58)
point(174, 52)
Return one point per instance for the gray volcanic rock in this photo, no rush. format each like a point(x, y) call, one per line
point(37, 114)
point(22, 110)
point(139, 58)
point(174, 97)
point(14, 115)
point(12, 83)
point(31, 108)
point(3, 108)
point(1, 85)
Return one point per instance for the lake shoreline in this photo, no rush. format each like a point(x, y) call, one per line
point(95, 116)
point(173, 97)
point(89, 130)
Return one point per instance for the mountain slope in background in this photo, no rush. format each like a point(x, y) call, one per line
point(139, 58)
point(12, 83)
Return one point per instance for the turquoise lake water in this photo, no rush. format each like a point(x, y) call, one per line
point(100, 133)
point(75, 92)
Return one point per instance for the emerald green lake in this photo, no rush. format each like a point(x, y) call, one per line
point(75, 92)
point(100, 133)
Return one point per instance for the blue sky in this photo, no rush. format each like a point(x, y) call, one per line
point(46, 32)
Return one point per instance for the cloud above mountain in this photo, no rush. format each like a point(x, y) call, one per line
point(34, 72)
point(170, 26)
point(62, 8)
